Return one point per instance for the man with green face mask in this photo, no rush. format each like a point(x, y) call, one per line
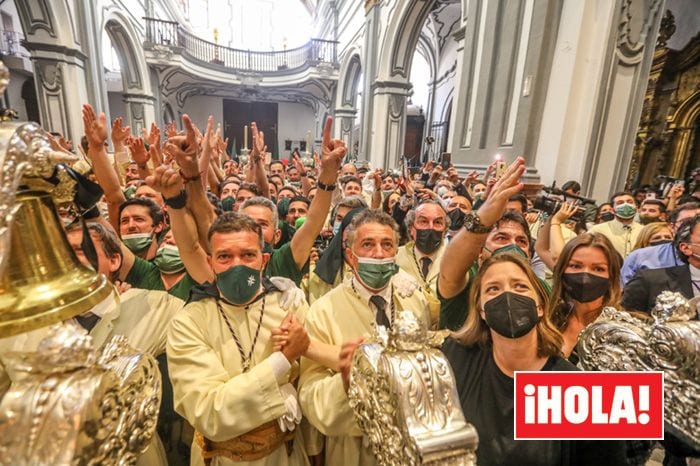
point(622, 231)
point(228, 381)
point(373, 295)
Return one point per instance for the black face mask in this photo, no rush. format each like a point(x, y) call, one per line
point(645, 219)
point(511, 315)
point(660, 242)
point(607, 216)
point(585, 287)
point(428, 240)
point(456, 219)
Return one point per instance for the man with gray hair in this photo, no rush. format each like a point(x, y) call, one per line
point(373, 295)
point(427, 225)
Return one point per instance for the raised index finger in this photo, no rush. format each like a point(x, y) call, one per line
point(327, 131)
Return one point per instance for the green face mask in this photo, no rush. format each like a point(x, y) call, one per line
point(376, 273)
point(129, 192)
point(227, 203)
point(138, 242)
point(625, 211)
point(239, 284)
point(168, 259)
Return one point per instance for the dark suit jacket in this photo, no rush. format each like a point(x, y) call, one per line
point(641, 291)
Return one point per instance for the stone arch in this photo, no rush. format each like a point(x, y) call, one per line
point(138, 96)
point(346, 99)
point(402, 35)
point(45, 22)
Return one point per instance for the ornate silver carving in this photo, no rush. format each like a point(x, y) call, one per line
point(619, 341)
point(26, 157)
point(70, 404)
point(405, 401)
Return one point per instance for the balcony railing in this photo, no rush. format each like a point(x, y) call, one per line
point(11, 44)
point(169, 33)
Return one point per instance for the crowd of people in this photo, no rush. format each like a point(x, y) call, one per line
point(253, 280)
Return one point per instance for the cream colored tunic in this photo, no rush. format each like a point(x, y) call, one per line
point(318, 288)
point(407, 260)
point(210, 388)
point(622, 237)
point(337, 317)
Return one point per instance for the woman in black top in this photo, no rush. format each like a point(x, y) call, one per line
point(507, 330)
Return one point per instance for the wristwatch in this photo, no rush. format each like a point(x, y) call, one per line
point(472, 223)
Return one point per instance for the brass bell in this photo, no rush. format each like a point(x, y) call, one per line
point(42, 282)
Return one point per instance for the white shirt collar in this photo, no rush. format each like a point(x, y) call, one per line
point(694, 273)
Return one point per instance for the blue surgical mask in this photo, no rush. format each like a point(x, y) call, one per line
point(336, 226)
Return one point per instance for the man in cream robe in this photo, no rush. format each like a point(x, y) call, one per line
point(344, 314)
point(212, 340)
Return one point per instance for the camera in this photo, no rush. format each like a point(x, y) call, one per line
point(429, 140)
point(552, 199)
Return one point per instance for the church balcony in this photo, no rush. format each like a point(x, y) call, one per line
point(167, 41)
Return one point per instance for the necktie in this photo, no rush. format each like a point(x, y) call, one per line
point(87, 320)
point(425, 264)
point(380, 304)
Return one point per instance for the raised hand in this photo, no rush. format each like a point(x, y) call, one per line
point(183, 149)
point(332, 154)
point(138, 151)
point(66, 144)
point(119, 133)
point(377, 178)
point(565, 212)
point(210, 137)
point(503, 189)
point(166, 181)
point(259, 147)
point(152, 137)
point(95, 127)
point(171, 129)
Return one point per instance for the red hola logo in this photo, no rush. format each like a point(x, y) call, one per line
point(589, 405)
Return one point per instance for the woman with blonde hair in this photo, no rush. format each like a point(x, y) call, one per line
point(507, 330)
point(654, 234)
point(586, 279)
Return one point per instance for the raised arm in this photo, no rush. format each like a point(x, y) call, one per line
point(556, 238)
point(96, 132)
point(332, 153)
point(466, 245)
point(184, 150)
point(140, 156)
point(169, 183)
point(258, 161)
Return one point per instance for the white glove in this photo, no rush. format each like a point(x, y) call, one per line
point(405, 285)
point(292, 297)
point(292, 417)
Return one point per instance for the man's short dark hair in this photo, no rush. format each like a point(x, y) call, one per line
point(303, 199)
point(656, 202)
point(521, 199)
point(153, 210)
point(618, 194)
point(249, 187)
point(233, 222)
point(512, 216)
point(572, 185)
point(275, 162)
point(288, 188)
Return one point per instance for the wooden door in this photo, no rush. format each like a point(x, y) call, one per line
point(238, 114)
